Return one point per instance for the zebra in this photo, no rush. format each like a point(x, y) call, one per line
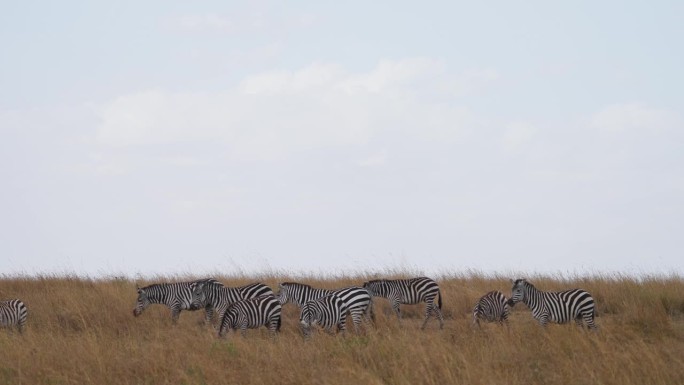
point(491, 307)
point(177, 296)
point(357, 300)
point(327, 312)
point(218, 297)
point(251, 313)
point(13, 313)
point(410, 292)
point(558, 307)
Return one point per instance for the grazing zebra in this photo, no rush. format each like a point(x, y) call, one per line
point(327, 312)
point(177, 296)
point(492, 307)
point(13, 314)
point(357, 300)
point(559, 307)
point(218, 297)
point(251, 313)
point(409, 292)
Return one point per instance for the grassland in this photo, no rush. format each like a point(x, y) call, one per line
point(82, 331)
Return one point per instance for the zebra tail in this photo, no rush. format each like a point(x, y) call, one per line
point(279, 323)
point(439, 301)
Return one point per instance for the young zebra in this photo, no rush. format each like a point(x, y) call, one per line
point(252, 313)
point(13, 314)
point(177, 296)
point(218, 297)
point(410, 292)
point(327, 312)
point(358, 300)
point(491, 307)
point(559, 307)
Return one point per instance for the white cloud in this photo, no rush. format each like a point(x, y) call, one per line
point(633, 116)
point(273, 113)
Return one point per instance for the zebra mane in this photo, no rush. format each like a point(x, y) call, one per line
point(294, 284)
point(519, 281)
point(151, 286)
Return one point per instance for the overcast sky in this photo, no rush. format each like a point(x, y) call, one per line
point(164, 137)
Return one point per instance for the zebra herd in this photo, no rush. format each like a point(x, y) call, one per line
point(546, 306)
point(255, 305)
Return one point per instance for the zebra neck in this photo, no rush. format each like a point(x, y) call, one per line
point(308, 295)
point(533, 297)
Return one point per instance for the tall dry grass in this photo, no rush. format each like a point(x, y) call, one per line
point(82, 331)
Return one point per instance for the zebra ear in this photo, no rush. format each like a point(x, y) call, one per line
point(512, 281)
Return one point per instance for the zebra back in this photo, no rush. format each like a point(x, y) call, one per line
point(13, 313)
point(252, 313)
point(299, 293)
point(220, 297)
point(558, 307)
point(177, 296)
point(491, 307)
point(407, 291)
point(327, 311)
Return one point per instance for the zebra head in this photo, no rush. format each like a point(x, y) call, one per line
point(376, 287)
point(308, 318)
point(230, 320)
point(283, 295)
point(199, 295)
point(142, 303)
point(518, 292)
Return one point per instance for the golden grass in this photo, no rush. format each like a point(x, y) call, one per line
point(82, 331)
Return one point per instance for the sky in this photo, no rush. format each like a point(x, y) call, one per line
point(177, 137)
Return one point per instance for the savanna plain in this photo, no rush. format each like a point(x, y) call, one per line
point(82, 331)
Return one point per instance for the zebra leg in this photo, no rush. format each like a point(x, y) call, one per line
point(273, 326)
point(175, 313)
point(356, 320)
point(208, 314)
point(370, 314)
point(438, 313)
point(342, 326)
point(589, 320)
point(395, 306)
point(427, 315)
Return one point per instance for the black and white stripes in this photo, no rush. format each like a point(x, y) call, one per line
point(218, 297)
point(252, 313)
point(491, 307)
point(557, 307)
point(13, 314)
point(357, 300)
point(327, 312)
point(177, 296)
point(409, 291)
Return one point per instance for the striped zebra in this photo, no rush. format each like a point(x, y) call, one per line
point(218, 297)
point(410, 292)
point(177, 296)
point(358, 300)
point(491, 307)
point(13, 314)
point(558, 307)
point(328, 311)
point(252, 313)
